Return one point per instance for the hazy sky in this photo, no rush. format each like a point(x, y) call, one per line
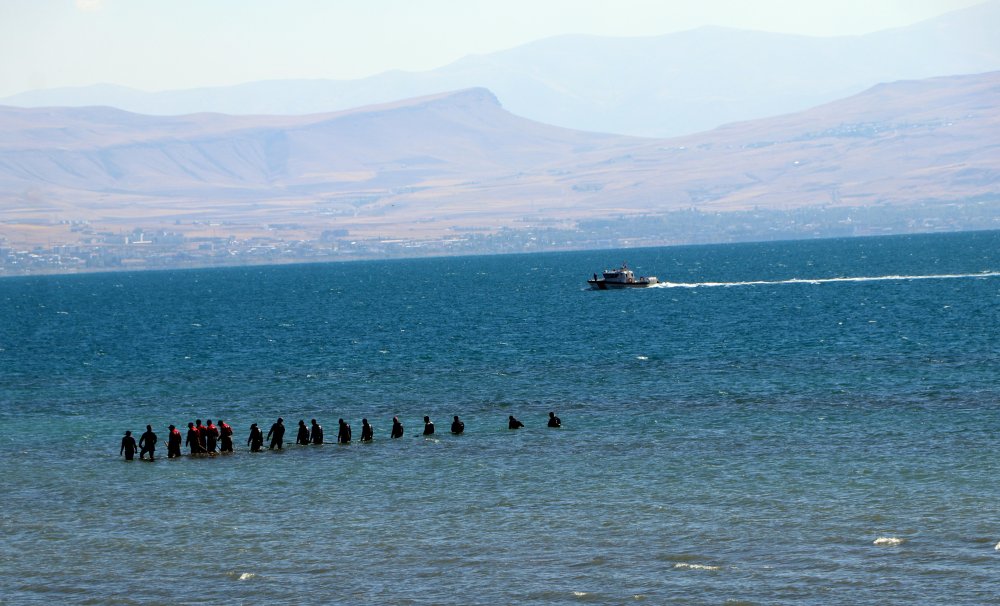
point(171, 44)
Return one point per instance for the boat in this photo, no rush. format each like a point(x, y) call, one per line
point(622, 277)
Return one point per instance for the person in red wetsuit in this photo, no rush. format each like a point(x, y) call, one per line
point(173, 443)
point(202, 435)
point(194, 439)
point(211, 436)
point(226, 437)
point(128, 446)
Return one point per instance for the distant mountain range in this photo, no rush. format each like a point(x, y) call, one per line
point(656, 86)
point(429, 166)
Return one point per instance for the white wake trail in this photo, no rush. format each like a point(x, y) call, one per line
point(985, 274)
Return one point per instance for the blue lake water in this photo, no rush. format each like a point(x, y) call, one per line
point(785, 423)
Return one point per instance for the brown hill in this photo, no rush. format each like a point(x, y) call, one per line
point(109, 166)
point(423, 167)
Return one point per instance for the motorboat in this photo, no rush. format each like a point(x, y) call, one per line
point(623, 277)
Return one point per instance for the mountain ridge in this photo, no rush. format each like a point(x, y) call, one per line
point(426, 167)
point(664, 85)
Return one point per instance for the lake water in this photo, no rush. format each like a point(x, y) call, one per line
point(784, 423)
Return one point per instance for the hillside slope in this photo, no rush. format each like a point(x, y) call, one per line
point(427, 166)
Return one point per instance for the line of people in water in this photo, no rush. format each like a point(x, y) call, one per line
point(212, 438)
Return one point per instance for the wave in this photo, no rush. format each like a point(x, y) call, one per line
point(686, 566)
point(889, 541)
point(890, 278)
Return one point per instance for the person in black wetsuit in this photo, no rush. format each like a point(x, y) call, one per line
point(302, 437)
point(225, 437)
point(397, 428)
point(128, 446)
point(344, 433)
point(256, 439)
point(147, 443)
point(276, 434)
point(457, 426)
point(554, 421)
point(367, 432)
point(173, 443)
point(316, 433)
point(428, 426)
point(513, 423)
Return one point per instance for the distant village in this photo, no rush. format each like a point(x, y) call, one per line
point(162, 249)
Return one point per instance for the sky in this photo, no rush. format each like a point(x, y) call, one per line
point(157, 45)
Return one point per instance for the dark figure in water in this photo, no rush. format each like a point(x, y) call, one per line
point(302, 437)
point(554, 421)
point(513, 423)
point(397, 428)
point(211, 436)
point(367, 433)
point(225, 437)
point(173, 443)
point(344, 433)
point(457, 426)
point(256, 439)
point(193, 440)
point(276, 434)
point(128, 446)
point(202, 435)
point(428, 426)
point(147, 443)
point(316, 433)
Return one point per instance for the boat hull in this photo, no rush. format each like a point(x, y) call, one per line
point(604, 285)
